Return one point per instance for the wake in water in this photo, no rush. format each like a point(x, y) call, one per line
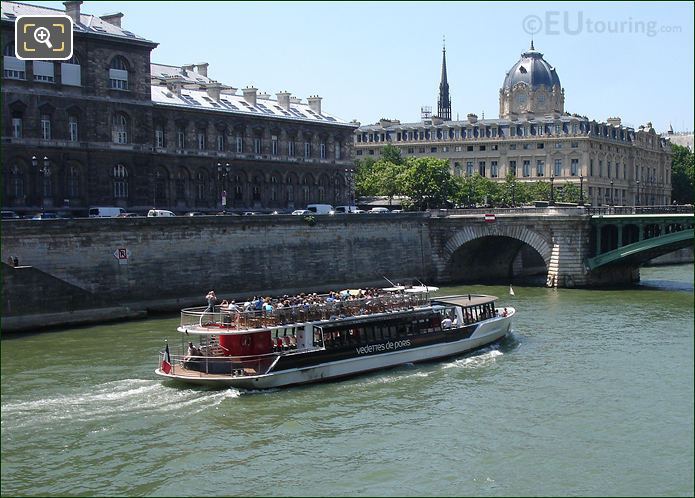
point(111, 400)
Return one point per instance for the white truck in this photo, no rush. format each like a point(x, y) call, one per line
point(320, 208)
point(105, 212)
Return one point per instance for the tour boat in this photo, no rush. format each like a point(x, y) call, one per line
point(329, 337)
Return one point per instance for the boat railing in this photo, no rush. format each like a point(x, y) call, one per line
point(236, 366)
point(219, 318)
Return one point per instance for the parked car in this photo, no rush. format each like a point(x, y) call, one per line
point(378, 210)
point(250, 213)
point(154, 213)
point(396, 210)
point(45, 216)
point(194, 213)
point(128, 215)
point(9, 215)
point(301, 212)
point(345, 209)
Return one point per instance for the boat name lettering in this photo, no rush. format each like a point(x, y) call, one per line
point(377, 348)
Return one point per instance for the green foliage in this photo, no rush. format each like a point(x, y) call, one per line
point(568, 192)
point(310, 220)
point(682, 175)
point(427, 181)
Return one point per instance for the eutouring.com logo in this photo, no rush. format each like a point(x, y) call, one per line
point(555, 22)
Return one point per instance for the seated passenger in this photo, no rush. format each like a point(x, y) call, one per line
point(446, 323)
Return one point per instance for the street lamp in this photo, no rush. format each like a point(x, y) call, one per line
point(581, 190)
point(45, 171)
point(552, 192)
point(222, 174)
point(611, 193)
point(351, 187)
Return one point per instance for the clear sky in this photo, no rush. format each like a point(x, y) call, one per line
point(382, 59)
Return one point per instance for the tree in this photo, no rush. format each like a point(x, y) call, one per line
point(365, 182)
point(427, 181)
point(569, 192)
point(391, 154)
point(682, 175)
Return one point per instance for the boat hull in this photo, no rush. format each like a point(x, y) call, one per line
point(486, 333)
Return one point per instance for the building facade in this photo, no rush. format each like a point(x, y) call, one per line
point(109, 127)
point(534, 139)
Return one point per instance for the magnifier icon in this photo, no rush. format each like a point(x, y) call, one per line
point(42, 35)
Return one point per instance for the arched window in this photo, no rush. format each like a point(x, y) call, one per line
point(14, 183)
point(118, 73)
point(71, 71)
point(201, 186)
point(181, 181)
point(120, 182)
point(73, 181)
point(120, 128)
point(13, 68)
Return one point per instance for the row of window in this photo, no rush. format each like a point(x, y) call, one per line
point(203, 186)
point(46, 128)
point(70, 71)
point(495, 169)
point(222, 145)
point(495, 132)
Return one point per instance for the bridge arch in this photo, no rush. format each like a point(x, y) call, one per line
point(496, 253)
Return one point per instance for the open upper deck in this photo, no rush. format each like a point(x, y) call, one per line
point(199, 320)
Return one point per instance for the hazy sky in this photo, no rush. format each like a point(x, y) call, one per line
point(382, 59)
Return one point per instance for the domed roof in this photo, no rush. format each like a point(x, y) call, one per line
point(533, 70)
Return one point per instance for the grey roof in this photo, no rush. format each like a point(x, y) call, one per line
point(468, 300)
point(533, 70)
point(89, 24)
point(198, 98)
point(419, 125)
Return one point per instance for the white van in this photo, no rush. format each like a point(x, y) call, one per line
point(346, 209)
point(156, 213)
point(105, 212)
point(321, 208)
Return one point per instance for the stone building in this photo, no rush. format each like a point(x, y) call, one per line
point(109, 127)
point(535, 139)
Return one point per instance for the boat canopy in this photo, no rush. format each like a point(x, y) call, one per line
point(465, 301)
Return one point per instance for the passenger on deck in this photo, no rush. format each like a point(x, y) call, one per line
point(192, 351)
point(211, 299)
point(446, 323)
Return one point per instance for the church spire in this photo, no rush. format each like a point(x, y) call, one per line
point(444, 102)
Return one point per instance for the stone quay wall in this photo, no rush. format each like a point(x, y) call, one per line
point(171, 262)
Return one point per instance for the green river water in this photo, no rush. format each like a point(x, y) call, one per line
point(592, 394)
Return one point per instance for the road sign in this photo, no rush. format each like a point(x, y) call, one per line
point(489, 218)
point(122, 254)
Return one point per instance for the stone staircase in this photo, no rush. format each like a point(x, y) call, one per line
point(554, 267)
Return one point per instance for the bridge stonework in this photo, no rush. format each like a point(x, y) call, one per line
point(560, 242)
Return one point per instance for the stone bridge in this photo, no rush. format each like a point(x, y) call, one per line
point(562, 247)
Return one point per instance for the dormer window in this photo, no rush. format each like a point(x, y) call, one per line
point(522, 70)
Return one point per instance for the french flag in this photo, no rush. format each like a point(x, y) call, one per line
point(166, 362)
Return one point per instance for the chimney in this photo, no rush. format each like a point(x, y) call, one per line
point(213, 90)
point(202, 69)
point(264, 96)
point(472, 118)
point(72, 9)
point(295, 100)
point(613, 121)
point(284, 100)
point(114, 19)
point(175, 84)
point(250, 95)
point(315, 103)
